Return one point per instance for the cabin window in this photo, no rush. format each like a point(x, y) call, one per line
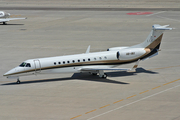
point(84, 60)
point(28, 65)
point(132, 53)
point(59, 62)
point(94, 58)
point(100, 58)
point(89, 59)
point(67, 61)
point(105, 57)
point(54, 63)
point(22, 64)
point(63, 62)
point(73, 61)
point(78, 60)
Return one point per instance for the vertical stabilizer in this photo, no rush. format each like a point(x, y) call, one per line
point(154, 38)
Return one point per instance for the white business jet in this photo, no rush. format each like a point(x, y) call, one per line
point(4, 17)
point(95, 63)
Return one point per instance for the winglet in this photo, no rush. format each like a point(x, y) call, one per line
point(135, 66)
point(88, 49)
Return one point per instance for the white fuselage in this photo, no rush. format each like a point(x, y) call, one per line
point(73, 63)
point(95, 62)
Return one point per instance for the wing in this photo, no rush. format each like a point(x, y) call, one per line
point(111, 69)
point(8, 19)
point(3, 20)
point(96, 69)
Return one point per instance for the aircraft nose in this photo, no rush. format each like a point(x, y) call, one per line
point(9, 72)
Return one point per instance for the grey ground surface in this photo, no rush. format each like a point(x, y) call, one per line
point(144, 94)
point(93, 3)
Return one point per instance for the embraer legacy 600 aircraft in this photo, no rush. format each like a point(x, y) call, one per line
point(96, 62)
point(4, 17)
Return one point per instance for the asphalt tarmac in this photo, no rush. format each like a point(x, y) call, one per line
point(150, 93)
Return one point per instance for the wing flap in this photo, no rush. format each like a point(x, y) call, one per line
point(97, 69)
point(111, 69)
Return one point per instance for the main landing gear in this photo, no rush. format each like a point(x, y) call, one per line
point(18, 81)
point(4, 23)
point(101, 73)
point(103, 76)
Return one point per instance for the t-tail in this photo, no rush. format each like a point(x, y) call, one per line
point(153, 40)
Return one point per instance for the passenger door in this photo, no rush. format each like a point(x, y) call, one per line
point(37, 66)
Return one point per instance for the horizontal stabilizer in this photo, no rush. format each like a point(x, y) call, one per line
point(159, 27)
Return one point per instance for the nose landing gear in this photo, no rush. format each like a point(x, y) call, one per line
point(18, 81)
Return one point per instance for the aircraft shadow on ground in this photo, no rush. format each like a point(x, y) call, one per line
point(12, 24)
point(89, 77)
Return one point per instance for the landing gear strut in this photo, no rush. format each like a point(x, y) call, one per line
point(102, 74)
point(18, 81)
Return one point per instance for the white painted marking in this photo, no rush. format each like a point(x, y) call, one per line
point(133, 102)
point(168, 18)
point(156, 13)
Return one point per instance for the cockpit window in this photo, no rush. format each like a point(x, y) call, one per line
point(28, 65)
point(22, 64)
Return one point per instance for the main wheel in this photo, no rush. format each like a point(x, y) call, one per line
point(18, 81)
point(104, 76)
point(94, 73)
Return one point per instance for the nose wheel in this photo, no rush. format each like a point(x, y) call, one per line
point(18, 81)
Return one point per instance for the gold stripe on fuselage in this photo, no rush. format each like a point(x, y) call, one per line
point(104, 62)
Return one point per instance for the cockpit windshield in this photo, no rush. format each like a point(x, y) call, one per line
point(28, 65)
point(25, 64)
point(22, 64)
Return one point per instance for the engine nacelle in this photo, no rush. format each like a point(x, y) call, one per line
point(4, 14)
point(115, 48)
point(131, 53)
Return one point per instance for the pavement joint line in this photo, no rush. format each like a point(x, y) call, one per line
point(156, 13)
point(168, 18)
point(163, 67)
point(131, 97)
point(133, 102)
